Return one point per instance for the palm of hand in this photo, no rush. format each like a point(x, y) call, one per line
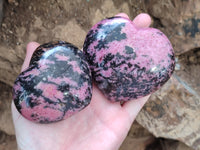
point(101, 125)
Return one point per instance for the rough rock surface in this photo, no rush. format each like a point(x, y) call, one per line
point(1, 11)
point(5, 101)
point(172, 112)
point(7, 142)
point(139, 138)
point(179, 19)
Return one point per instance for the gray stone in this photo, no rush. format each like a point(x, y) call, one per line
point(6, 124)
point(1, 11)
point(173, 112)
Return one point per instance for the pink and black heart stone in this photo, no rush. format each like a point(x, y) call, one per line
point(56, 85)
point(128, 62)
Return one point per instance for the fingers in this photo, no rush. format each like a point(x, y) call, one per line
point(122, 15)
point(133, 107)
point(30, 48)
point(142, 20)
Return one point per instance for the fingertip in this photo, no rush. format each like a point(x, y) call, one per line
point(142, 20)
point(31, 46)
point(122, 15)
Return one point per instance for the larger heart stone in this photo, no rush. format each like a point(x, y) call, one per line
point(56, 84)
point(128, 62)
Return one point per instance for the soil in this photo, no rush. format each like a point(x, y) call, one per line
point(7, 142)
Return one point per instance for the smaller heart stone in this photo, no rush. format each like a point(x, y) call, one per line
point(56, 85)
point(128, 62)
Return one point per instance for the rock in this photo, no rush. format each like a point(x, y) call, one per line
point(71, 32)
point(6, 124)
point(46, 91)
point(15, 2)
point(108, 9)
point(173, 112)
point(124, 66)
point(9, 65)
point(1, 11)
point(182, 146)
point(189, 68)
point(7, 142)
point(166, 144)
point(179, 20)
point(138, 138)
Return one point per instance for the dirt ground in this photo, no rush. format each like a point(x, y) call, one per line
point(49, 20)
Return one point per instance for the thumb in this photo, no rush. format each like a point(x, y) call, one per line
point(142, 20)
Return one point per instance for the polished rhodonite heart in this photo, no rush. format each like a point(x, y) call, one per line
point(56, 84)
point(128, 62)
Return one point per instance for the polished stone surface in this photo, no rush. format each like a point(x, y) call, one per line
point(56, 85)
point(128, 62)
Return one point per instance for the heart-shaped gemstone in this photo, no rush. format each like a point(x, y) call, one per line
point(128, 62)
point(56, 84)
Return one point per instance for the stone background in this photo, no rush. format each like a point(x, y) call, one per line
point(171, 118)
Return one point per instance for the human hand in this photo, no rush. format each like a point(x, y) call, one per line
point(102, 125)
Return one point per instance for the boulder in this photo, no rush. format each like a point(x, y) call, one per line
point(173, 112)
